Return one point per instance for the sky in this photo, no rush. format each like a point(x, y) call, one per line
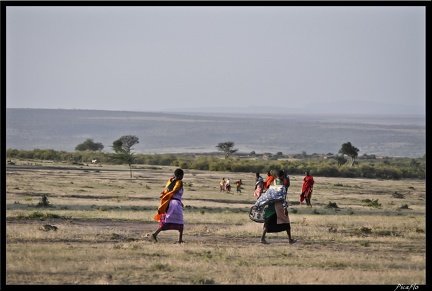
point(154, 58)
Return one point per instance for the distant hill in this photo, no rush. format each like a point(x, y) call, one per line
point(344, 107)
point(165, 132)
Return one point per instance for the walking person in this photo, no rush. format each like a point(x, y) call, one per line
point(307, 189)
point(276, 215)
point(286, 181)
point(269, 180)
point(170, 210)
point(259, 185)
point(228, 185)
point(239, 183)
point(222, 185)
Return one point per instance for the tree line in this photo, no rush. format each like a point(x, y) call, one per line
point(318, 165)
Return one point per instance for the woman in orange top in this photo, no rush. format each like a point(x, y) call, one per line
point(170, 210)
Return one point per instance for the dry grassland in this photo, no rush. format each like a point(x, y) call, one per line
point(359, 231)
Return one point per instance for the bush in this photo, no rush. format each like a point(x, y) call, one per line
point(386, 168)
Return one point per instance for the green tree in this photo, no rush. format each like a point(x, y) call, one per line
point(349, 150)
point(414, 163)
point(123, 149)
point(89, 145)
point(341, 160)
point(227, 148)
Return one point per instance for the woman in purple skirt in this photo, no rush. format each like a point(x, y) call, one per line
point(170, 210)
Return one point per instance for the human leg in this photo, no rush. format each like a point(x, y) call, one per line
point(265, 229)
point(290, 239)
point(263, 240)
point(154, 235)
point(308, 201)
point(180, 240)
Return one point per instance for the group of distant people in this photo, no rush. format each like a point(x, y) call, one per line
point(225, 185)
point(170, 210)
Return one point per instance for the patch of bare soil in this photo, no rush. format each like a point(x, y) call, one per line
point(141, 230)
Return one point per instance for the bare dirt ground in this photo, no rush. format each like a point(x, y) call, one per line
point(113, 214)
point(140, 231)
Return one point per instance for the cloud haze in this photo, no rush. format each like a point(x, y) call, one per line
point(154, 58)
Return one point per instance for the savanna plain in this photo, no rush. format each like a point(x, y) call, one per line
point(91, 224)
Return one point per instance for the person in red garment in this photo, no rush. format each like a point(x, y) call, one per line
point(269, 180)
point(307, 189)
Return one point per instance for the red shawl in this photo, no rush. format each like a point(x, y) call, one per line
point(306, 191)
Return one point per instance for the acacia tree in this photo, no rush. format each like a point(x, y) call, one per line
point(123, 149)
point(349, 150)
point(89, 145)
point(341, 160)
point(227, 148)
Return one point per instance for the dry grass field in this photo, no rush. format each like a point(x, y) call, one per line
point(95, 229)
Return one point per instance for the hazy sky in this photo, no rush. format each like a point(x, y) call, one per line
point(147, 58)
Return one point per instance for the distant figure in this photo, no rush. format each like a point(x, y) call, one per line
point(307, 189)
point(269, 180)
point(286, 182)
point(259, 185)
point(170, 210)
point(276, 215)
point(239, 183)
point(222, 185)
point(228, 185)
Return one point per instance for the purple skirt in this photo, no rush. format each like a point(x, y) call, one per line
point(173, 219)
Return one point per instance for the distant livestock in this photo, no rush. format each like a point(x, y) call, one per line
point(94, 161)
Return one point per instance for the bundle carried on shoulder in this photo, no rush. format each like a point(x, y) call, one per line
point(273, 194)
